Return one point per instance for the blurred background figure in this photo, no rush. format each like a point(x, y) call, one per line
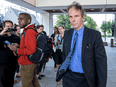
point(18, 34)
point(53, 39)
point(39, 29)
point(59, 38)
point(1, 28)
point(18, 30)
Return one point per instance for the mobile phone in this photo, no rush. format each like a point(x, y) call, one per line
point(7, 42)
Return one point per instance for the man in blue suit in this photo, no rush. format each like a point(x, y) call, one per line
point(88, 65)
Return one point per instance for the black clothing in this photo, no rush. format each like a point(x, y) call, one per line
point(58, 56)
point(72, 79)
point(94, 59)
point(6, 55)
point(39, 67)
point(17, 67)
point(53, 36)
point(44, 32)
point(7, 73)
point(7, 61)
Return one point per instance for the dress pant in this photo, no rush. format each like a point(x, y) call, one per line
point(72, 79)
point(28, 75)
point(7, 73)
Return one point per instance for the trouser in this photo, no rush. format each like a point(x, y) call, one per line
point(28, 75)
point(58, 57)
point(72, 79)
point(54, 59)
point(7, 73)
point(39, 68)
point(17, 69)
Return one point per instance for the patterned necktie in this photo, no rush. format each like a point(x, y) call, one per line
point(66, 63)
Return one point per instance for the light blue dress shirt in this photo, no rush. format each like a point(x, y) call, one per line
point(76, 64)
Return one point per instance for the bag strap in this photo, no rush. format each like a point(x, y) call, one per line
point(27, 29)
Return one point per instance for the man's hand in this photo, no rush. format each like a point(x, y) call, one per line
point(12, 48)
point(3, 32)
point(16, 45)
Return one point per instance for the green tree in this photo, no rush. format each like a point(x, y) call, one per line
point(64, 20)
point(103, 27)
point(89, 22)
point(112, 28)
point(108, 27)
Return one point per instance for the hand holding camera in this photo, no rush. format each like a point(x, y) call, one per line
point(3, 32)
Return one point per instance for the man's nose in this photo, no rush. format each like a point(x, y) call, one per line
point(73, 19)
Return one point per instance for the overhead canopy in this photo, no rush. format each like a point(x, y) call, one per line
point(60, 6)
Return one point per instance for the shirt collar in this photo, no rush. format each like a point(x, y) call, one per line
point(79, 31)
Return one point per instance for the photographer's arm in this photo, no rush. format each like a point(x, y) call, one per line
point(2, 39)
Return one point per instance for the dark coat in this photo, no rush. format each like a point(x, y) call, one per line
point(94, 60)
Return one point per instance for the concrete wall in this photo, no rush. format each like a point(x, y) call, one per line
point(32, 2)
point(47, 21)
point(41, 3)
point(44, 19)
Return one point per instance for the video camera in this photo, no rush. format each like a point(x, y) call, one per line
point(11, 29)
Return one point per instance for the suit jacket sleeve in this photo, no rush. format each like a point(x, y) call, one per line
point(101, 61)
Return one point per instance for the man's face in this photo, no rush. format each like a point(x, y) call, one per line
point(61, 30)
point(75, 18)
point(23, 21)
point(8, 25)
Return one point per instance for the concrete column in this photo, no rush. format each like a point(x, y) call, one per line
point(50, 24)
point(47, 21)
point(115, 29)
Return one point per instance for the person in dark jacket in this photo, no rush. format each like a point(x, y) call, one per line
point(39, 29)
point(8, 59)
point(88, 64)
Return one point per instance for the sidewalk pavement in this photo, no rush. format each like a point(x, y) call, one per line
point(50, 74)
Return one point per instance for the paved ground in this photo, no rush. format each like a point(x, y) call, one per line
point(49, 79)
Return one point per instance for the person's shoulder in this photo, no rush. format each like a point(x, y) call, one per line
point(31, 31)
point(69, 31)
point(92, 30)
point(14, 35)
point(44, 32)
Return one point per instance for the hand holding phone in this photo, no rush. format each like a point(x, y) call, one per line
point(7, 42)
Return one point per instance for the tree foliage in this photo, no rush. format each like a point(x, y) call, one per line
point(64, 20)
point(89, 22)
point(108, 27)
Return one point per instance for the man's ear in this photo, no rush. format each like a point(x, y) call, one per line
point(83, 17)
point(29, 21)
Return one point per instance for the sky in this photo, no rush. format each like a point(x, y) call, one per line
point(98, 18)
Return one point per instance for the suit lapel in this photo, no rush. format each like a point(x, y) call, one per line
point(84, 43)
point(70, 39)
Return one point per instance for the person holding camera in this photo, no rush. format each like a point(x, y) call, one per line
point(7, 57)
point(58, 43)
